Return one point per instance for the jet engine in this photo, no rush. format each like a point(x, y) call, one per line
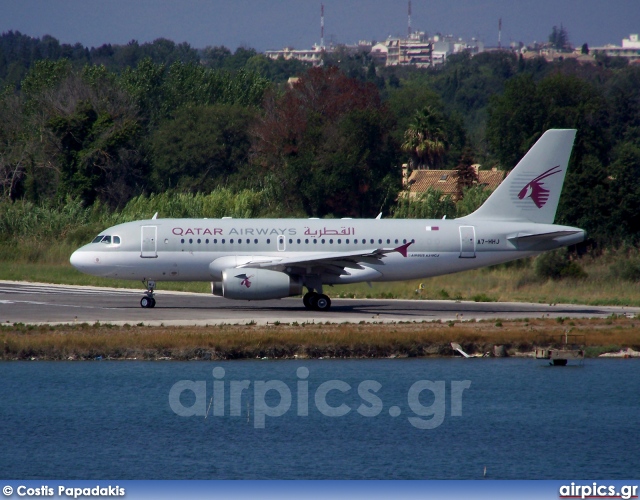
point(255, 284)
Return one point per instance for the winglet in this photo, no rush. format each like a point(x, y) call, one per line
point(403, 249)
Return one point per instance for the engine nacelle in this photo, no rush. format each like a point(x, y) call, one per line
point(255, 284)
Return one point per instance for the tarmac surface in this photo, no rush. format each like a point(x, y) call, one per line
point(41, 303)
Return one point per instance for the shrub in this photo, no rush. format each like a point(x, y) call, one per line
point(627, 270)
point(557, 265)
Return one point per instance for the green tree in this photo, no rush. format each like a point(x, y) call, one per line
point(471, 200)
point(466, 175)
point(425, 138)
point(624, 182)
point(85, 135)
point(201, 147)
point(515, 120)
point(428, 205)
point(160, 90)
point(559, 38)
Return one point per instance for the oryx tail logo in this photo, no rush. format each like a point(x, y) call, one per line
point(245, 280)
point(535, 189)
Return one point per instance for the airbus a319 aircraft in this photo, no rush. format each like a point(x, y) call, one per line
point(258, 259)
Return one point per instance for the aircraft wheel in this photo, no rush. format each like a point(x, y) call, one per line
point(147, 302)
point(153, 302)
point(307, 299)
point(321, 303)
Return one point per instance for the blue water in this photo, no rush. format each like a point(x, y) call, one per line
point(521, 419)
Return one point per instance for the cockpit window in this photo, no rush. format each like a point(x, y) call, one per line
point(106, 239)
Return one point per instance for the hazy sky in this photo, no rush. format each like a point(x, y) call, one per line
point(273, 24)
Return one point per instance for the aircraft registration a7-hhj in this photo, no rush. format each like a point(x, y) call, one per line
point(258, 259)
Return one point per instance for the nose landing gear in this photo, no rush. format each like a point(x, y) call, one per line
point(148, 301)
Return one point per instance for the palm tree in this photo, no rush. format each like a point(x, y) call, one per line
point(425, 139)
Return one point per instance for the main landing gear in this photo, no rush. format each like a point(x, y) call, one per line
point(316, 301)
point(148, 301)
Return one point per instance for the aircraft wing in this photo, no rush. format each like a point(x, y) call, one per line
point(333, 262)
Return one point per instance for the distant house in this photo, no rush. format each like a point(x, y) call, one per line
point(630, 49)
point(445, 181)
point(313, 56)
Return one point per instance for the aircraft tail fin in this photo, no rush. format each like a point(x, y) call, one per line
point(531, 191)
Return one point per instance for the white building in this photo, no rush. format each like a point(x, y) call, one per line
point(417, 50)
point(630, 49)
point(313, 56)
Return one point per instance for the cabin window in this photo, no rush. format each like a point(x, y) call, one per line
point(268, 240)
point(207, 241)
point(339, 241)
point(256, 241)
point(315, 241)
point(199, 241)
point(322, 241)
point(222, 241)
point(379, 242)
point(404, 241)
point(372, 241)
point(190, 240)
point(396, 242)
point(307, 241)
point(298, 240)
point(182, 241)
point(388, 241)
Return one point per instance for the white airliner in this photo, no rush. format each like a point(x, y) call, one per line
point(257, 259)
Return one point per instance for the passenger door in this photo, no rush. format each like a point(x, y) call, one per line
point(467, 242)
point(149, 242)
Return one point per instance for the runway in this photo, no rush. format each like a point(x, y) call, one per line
point(39, 303)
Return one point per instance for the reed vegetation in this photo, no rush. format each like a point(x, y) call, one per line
point(307, 340)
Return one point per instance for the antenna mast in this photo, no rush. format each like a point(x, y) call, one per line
point(322, 25)
point(409, 21)
point(499, 32)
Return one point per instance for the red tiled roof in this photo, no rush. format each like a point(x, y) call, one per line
point(445, 180)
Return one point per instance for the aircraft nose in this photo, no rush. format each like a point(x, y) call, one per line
point(77, 260)
point(83, 261)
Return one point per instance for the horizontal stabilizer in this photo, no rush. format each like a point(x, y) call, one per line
point(536, 238)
